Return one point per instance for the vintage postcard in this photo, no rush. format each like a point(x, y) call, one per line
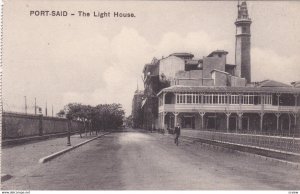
point(150, 95)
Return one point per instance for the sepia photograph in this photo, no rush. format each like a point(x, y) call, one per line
point(150, 95)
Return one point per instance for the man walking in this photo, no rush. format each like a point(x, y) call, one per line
point(177, 133)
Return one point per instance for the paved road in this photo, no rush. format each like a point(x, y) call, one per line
point(136, 160)
point(19, 158)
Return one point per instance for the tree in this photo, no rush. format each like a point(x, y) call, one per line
point(102, 116)
point(129, 121)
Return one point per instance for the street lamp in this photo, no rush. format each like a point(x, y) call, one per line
point(69, 133)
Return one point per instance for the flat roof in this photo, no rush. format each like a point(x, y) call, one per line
point(183, 54)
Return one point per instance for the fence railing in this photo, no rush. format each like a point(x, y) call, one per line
point(267, 141)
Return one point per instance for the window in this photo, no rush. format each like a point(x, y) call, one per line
point(234, 99)
point(215, 99)
point(189, 99)
point(251, 99)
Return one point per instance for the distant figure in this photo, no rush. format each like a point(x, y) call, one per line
point(177, 133)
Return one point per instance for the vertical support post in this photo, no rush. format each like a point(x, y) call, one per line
point(289, 123)
point(160, 120)
point(163, 120)
point(41, 125)
point(163, 102)
point(261, 121)
point(227, 121)
point(295, 113)
point(175, 118)
point(248, 124)
point(202, 119)
point(262, 102)
point(277, 126)
point(69, 133)
point(25, 104)
point(240, 120)
point(278, 100)
point(35, 106)
point(295, 121)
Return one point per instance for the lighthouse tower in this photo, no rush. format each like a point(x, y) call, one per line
point(243, 44)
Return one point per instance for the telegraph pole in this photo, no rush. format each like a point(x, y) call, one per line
point(35, 106)
point(52, 110)
point(25, 104)
point(46, 109)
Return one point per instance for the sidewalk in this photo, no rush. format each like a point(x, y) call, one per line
point(17, 159)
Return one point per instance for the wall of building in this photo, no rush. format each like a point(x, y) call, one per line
point(237, 81)
point(208, 82)
point(220, 78)
point(243, 62)
point(170, 66)
point(193, 74)
point(211, 63)
point(136, 112)
point(189, 82)
point(15, 125)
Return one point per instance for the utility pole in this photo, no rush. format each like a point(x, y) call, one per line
point(52, 110)
point(25, 104)
point(46, 109)
point(35, 106)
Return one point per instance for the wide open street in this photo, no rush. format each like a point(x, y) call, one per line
point(140, 160)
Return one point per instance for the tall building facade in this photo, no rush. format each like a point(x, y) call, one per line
point(136, 111)
point(243, 43)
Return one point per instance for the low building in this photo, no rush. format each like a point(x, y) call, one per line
point(271, 108)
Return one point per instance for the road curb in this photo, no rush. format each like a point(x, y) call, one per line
point(52, 156)
point(5, 177)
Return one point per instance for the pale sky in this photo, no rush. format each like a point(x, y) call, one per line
point(93, 60)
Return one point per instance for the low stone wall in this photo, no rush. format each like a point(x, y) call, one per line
point(16, 125)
